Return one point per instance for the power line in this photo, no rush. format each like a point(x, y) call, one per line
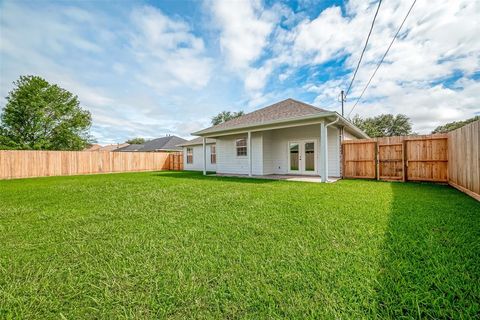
point(381, 60)
point(364, 48)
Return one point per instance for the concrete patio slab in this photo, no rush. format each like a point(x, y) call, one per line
point(287, 177)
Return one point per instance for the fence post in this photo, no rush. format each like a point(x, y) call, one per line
point(405, 160)
point(377, 161)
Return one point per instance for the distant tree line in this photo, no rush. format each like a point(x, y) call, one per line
point(384, 125)
point(225, 116)
point(454, 125)
point(388, 125)
point(137, 140)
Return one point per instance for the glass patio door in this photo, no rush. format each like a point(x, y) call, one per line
point(294, 157)
point(302, 157)
point(309, 157)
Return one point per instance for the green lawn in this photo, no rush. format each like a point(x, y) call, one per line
point(180, 245)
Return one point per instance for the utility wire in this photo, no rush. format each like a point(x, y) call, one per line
point(364, 48)
point(381, 61)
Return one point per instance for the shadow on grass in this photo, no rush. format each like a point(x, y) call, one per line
point(431, 256)
point(200, 177)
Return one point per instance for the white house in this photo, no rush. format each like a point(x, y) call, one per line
point(193, 155)
point(288, 137)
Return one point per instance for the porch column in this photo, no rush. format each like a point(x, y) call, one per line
point(323, 152)
point(249, 152)
point(204, 140)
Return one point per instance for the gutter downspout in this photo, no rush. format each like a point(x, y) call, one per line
point(324, 148)
point(333, 122)
point(204, 147)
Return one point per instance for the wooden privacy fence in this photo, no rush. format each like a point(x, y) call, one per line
point(26, 163)
point(452, 158)
point(417, 158)
point(464, 159)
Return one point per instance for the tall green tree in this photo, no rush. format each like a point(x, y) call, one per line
point(454, 125)
point(137, 140)
point(384, 125)
point(224, 116)
point(40, 115)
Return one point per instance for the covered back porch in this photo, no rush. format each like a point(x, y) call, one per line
point(301, 152)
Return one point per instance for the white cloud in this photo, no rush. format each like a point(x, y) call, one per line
point(245, 31)
point(321, 39)
point(245, 27)
point(255, 78)
point(168, 51)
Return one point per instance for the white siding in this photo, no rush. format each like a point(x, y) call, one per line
point(229, 162)
point(270, 151)
point(333, 145)
point(268, 154)
point(348, 136)
point(197, 164)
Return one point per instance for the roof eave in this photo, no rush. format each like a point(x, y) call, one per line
point(206, 132)
point(193, 144)
point(353, 127)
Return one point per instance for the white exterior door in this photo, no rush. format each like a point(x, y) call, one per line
point(302, 157)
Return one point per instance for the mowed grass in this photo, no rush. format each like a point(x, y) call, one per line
point(183, 246)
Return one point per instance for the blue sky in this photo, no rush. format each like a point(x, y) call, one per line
point(150, 68)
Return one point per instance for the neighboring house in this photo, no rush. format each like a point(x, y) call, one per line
point(193, 154)
point(130, 148)
point(108, 147)
point(93, 147)
point(165, 144)
point(169, 143)
point(288, 137)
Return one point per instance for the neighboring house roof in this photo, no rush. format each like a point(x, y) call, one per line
point(111, 147)
point(196, 141)
point(284, 111)
point(130, 148)
point(169, 143)
point(93, 147)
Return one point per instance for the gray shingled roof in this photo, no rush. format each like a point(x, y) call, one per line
point(165, 143)
point(283, 110)
point(196, 141)
point(130, 148)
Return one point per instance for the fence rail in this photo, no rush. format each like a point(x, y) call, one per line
point(30, 163)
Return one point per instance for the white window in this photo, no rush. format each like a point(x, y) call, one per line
point(241, 145)
point(189, 155)
point(213, 154)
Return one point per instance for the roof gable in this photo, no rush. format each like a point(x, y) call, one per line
point(283, 110)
